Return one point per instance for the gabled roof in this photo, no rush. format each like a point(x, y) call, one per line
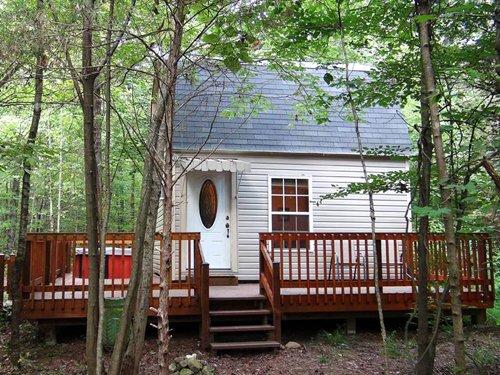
point(213, 112)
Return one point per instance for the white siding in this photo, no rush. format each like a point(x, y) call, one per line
point(178, 199)
point(349, 214)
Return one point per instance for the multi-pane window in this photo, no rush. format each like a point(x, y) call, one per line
point(290, 205)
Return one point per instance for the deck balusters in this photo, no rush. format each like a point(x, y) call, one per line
point(348, 269)
point(56, 279)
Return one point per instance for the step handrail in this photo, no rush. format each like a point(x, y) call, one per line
point(270, 285)
point(203, 292)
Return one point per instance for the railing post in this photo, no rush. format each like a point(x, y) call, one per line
point(276, 301)
point(378, 250)
point(204, 301)
point(2, 278)
point(262, 243)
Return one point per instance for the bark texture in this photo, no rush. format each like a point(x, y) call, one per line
point(41, 63)
point(133, 354)
point(166, 249)
point(425, 359)
point(89, 75)
point(11, 217)
point(497, 46)
point(147, 206)
point(105, 203)
point(356, 119)
point(423, 9)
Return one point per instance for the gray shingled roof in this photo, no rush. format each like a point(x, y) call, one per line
point(206, 100)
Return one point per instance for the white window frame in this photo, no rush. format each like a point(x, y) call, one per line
point(270, 211)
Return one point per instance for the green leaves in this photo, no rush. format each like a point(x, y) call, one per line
point(232, 63)
point(431, 212)
point(425, 18)
point(394, 181)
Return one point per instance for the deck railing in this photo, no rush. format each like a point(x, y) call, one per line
point(337, 270)
point(270, 286)
point(55, 274)
point(202, 275)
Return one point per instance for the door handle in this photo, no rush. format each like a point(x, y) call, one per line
point(227, 228)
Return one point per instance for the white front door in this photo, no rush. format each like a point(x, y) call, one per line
point(208, 208)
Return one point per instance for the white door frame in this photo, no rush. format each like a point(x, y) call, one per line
point(233, 221)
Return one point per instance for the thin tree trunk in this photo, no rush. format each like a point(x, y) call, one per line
point(132, 358)
point(497, 46)
point(147, 192)
point(425, 359)
point(105, 190)
point(59, 185)
point(488, 167)
point(41, 63)
point(166, 249)
point(50, 182)
point(11, 218)
point(91, 184)
point(132, 197)
point(9, 73)
point(423, 9)
point(356, 120)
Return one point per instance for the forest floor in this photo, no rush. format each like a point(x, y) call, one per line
point(325, 349)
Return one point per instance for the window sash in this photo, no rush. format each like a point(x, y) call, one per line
point(280, 189)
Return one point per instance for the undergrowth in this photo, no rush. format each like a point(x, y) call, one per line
point(335, 338)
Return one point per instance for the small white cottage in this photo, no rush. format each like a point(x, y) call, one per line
point(247, 161)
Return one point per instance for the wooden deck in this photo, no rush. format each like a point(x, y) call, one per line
point(300, 273)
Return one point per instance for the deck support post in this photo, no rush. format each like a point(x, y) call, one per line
point(276, 304)
point(478, 317)
point(351, 325)
point(47, 333)
point(378, 249)
point(205, 306)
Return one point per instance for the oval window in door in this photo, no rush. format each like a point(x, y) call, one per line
point(208, 203)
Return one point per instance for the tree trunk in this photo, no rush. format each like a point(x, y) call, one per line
point(166, 249)
point(135, 346)
point(91, 184)
point(132, 197)
point(105, 203)
point(59, 185)
point(488, 167)
point(41, 63)
point(356, 120)
point(12, 215)
point(423, 9)
point(425, 359)
point(9, 73)
point(497, 46)
point(132, 358)
point(141, 231)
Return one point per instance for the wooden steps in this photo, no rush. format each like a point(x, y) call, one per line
point(237, 313)
point(246, 328)
point(257, 297)
point(247, 316)
point(239, 345)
